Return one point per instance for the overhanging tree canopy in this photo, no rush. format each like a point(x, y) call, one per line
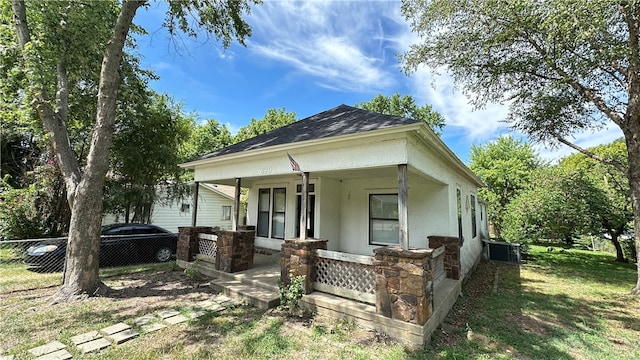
point(567, 66)
point(47, 57)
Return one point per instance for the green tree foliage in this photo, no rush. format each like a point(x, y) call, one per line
point(404, 106)
point(206, 138)
point(25, 146)
point(558, 204)
point(505, 166)
point(150, 137)
point(618, 215)
point(273, 119)
point(20, 153)
point(37, 209)
point(566, 66)
point(59, 39)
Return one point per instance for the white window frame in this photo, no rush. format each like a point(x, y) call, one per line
point(226, 212)
point(271, 212)
point(388, 220)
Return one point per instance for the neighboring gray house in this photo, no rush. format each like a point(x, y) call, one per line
point(215, 208)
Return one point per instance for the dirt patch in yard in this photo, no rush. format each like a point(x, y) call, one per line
point(455, 326)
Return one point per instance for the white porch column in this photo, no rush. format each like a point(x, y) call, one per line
point(194, 213)
point(403, 212)
point(303, 205)
point(236, 206)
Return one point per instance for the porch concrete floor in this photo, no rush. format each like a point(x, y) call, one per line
point(265, 271)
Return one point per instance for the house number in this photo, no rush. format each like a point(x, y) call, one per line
point(266, 171)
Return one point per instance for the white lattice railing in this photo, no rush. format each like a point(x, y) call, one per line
point(347, 275)
point(437, 263)
point(208, 246)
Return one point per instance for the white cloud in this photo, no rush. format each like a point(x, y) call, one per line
point(438, 90)
point(337, 43)
point(608, 134)
point(477, 125)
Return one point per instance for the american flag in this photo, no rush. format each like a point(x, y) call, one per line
point(294, 164)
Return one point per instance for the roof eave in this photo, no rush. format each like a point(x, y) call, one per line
point(430, 138)
point(301, 144)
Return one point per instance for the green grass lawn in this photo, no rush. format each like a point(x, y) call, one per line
point(15, 276)
point(569, 304)
point(563, 304)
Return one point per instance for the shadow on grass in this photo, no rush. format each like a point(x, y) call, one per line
point(536, 319)
point(582, 265)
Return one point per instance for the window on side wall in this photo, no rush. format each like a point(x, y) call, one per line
point(384, 227)
point(459, 205)
point(226, 212)
point(474, 229)
point(184, 207)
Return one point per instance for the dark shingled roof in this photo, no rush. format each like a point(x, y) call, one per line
point(341, 120)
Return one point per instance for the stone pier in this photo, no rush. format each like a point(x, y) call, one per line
point(235, 250)
point(188, 242)
point(298, 257)
point(404, 284)
point(451, 253)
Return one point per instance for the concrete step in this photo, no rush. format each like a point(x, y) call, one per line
point(257, 296)
point(257, 277)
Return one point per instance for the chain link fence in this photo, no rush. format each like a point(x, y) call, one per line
point(36, 263)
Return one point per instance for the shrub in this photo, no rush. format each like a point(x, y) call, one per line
point(629, 249)
point(36, 210)
point(292, 293)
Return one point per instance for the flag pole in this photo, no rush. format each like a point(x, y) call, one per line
point(303, 206)
point(304, 197)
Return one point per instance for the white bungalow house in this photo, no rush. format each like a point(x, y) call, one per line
point(352, 157)
point(215, 204)
point(392, 218)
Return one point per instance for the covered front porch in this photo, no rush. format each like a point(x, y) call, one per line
point(403, 293)
point(373, 210)
point(357, 210)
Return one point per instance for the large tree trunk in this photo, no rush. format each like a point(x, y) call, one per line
point(631, 130)
point(81, 274)
point(632, 137)
point(616, 243)
point(84, 189)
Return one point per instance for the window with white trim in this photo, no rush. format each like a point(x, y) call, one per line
point(264, 203)
point(474, 227)
point(384, 227)
point(459, 205)
point(271, 212)
point(278, 213)
point(226, 212)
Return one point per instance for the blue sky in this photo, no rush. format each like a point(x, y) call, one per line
point(310, 56)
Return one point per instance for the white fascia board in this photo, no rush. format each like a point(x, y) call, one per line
point(433, 141)
point(302, 144)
